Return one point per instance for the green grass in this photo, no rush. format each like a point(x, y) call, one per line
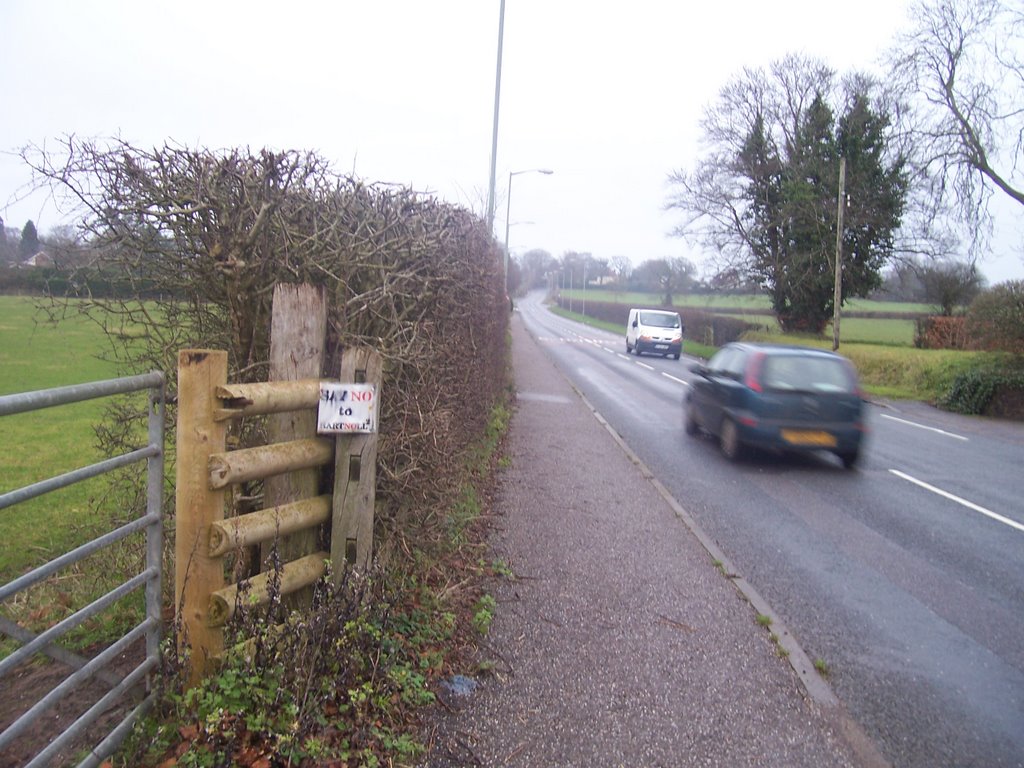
point(881, 349)
point(860, 330)
point(903, 372)
point(856, 330)
point(689, 347)
point(36, 354)
point(758, 303)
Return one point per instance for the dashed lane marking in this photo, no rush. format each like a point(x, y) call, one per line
point(952, 497)
point(922, 426)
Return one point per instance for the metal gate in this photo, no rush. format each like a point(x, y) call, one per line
point(150, 579)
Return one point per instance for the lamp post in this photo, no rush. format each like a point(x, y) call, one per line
point(508, 210)
point(494, 132)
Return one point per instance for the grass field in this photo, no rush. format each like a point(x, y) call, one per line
point(856, 330)
point(747, 303)
point(881, 349)
point(37, 445)
point(35, 354)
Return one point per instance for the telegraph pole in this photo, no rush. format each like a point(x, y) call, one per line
point(839, 254)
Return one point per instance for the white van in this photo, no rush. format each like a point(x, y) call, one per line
point(654, 330)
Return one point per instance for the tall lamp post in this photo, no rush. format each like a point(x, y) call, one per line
point(494, 133)
point(508, 210)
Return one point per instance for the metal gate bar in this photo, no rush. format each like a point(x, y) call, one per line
point(150, 577)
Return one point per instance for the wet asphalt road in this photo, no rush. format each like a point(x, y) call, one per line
point(901, 576)
point(619, 641)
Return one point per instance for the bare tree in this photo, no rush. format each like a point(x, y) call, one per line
point(950, 284)
point(622, 267)
point(761, 199)
point(959, 75)
point(533, 266)
point(713, 197)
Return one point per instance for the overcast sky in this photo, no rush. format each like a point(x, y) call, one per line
point(607, 95)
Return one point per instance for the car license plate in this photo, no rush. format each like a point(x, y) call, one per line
point(661, 346)
point(809, 437)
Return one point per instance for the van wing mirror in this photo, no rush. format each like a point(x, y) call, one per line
point(700, 369)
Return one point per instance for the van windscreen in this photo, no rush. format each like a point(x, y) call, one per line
point(660, 319)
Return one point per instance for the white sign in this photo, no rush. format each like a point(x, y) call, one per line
point(347, 408)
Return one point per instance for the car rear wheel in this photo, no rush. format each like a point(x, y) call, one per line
point(849, 458)
point(729, 440)
point(629, 349)
point(690, 421)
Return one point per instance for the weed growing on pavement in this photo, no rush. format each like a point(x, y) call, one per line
point(777, 642)
point(500, 568)
point(484, 614)
point(764, 620)
point(822, 667)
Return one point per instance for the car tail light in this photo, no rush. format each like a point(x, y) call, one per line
point(857, 389)
point(753, 376)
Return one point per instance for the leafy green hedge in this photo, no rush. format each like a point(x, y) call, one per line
point(972, 392)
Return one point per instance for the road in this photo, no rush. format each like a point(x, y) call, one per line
point(905, 576)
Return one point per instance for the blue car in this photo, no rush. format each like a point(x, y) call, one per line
point(777, 397)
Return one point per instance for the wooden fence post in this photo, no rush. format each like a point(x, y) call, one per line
point(197, 505)
point(298, 331)
point(355, 471)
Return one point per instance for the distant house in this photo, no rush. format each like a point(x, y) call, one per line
point(41, 259)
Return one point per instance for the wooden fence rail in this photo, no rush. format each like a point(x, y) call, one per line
point(290, 467)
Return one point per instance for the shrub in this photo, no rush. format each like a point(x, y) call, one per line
point(337, 683)
point(940, 332)
point(974, 392)
point(995, 319)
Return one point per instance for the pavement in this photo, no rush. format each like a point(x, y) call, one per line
point(624, 636)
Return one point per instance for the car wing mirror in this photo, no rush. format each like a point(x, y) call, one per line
point(700, 369)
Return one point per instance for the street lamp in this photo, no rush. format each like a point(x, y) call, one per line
point(508, 210)
point(494, 133)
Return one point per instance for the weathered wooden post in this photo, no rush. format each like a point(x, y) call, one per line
point(198, 504)
point(298, 330)
point(355, 471)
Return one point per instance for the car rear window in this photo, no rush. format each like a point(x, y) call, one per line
point(807, 373)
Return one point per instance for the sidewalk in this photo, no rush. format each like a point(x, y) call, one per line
point(619, 642)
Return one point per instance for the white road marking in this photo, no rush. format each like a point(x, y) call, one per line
point(677, 380)
point(958, 500)
point(922, 426)
point(645, 365)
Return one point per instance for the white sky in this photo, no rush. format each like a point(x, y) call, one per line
point(607, 95)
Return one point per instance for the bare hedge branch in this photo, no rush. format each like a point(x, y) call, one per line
point(204, 236)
